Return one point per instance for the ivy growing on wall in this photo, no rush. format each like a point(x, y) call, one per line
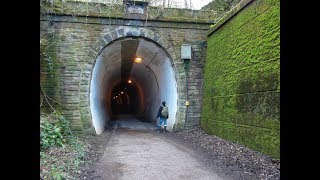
point(49, 76)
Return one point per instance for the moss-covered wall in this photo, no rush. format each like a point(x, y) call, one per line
point(49, 72)
point(241, 101)
point(117, 11)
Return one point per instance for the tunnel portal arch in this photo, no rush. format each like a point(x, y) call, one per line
point(155, 78)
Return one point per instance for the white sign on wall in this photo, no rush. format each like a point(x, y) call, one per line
point(185, 51)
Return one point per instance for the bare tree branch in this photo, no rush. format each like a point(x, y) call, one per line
point(45, 96)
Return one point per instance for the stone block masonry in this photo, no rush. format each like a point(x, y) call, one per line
point(241, 99)
point(232, 83)
point(80, 36)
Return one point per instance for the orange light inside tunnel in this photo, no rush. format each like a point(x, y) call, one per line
point(137, 60)
point(129, 81)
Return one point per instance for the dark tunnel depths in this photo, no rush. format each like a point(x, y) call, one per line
point(141, 98)
point(125, 99)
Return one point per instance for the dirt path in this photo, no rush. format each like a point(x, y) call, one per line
point(136, 151)
point(133, 150)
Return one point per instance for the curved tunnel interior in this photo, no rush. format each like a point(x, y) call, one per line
point(125, 99)
point(130, 78)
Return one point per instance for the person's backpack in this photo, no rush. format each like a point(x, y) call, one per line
point(164, 111)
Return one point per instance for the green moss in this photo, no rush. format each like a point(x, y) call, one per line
point(241, 100)
point(118, 11)
point(49, 70)
point(179, 124)
point(84, 9)
point(85, 119)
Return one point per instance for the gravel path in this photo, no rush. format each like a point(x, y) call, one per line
point(137, 154)
point(211, 155)
point(228, 158)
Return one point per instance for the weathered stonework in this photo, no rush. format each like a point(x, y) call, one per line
point(81, 39)
point(241, 100)
point(237, 97)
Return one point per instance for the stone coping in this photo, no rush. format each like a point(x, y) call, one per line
point(117, 11)
point(232, 12)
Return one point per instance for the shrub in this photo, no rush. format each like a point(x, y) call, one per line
point(54, 130)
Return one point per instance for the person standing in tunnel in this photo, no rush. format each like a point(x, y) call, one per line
point(164, 115)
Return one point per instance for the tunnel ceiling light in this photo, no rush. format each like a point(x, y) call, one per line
point(129, 81)
point(137, 60)
point(121, 92)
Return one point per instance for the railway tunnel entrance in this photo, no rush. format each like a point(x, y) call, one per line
point(131, 77)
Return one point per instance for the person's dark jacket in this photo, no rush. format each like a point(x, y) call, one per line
point(159, 113)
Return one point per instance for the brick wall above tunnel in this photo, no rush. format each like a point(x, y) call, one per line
point(241, 99)
point(79, 39)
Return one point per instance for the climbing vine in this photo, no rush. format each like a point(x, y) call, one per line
point(48, 74)
point(61, 151)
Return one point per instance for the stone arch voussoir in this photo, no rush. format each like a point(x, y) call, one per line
point(107, 38)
